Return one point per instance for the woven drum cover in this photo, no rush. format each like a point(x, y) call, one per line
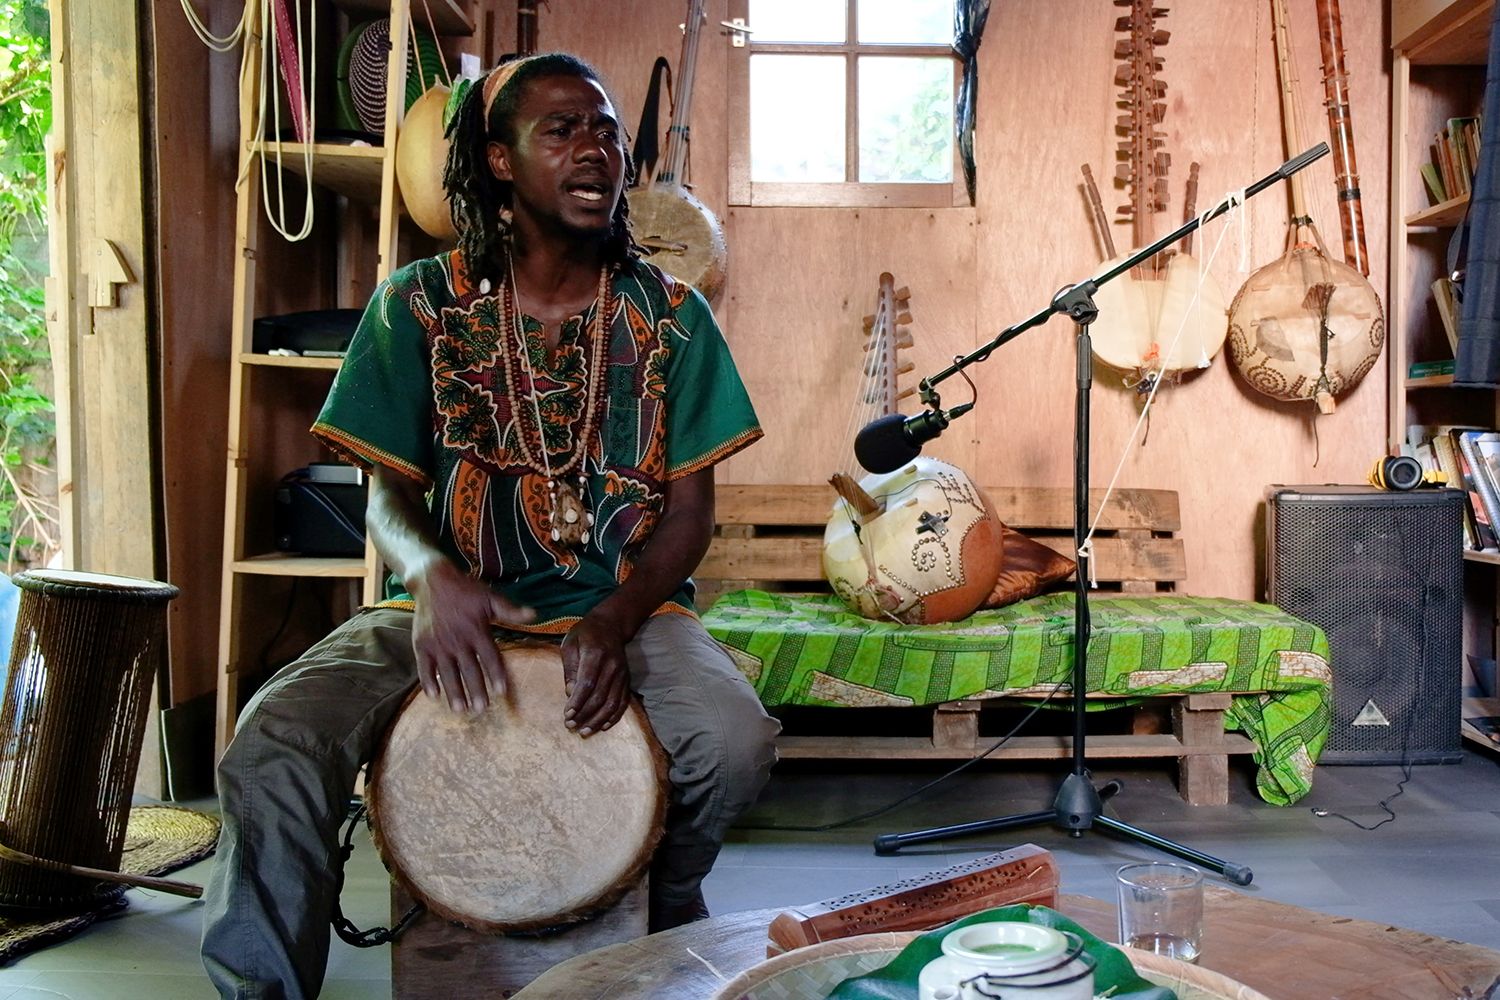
point(699, 255)
point(368, 65)
point(933, 556)
point(507, 820)
point(1275, 325)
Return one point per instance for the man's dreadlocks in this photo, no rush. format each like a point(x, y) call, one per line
point(476, 196)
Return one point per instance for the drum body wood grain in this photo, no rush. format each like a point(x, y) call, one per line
point(86, 651)
point(508, 821)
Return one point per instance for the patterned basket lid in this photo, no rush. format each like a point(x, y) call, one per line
point(363, 65)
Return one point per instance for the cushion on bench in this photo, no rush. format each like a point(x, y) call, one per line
point(808, 649)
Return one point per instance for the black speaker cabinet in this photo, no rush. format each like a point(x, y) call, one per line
point(1382, 574)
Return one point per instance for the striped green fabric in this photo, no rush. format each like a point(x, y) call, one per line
point(800, 649)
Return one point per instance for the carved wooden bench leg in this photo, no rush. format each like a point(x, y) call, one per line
point(1198, 722)
point(438, 960)
point(955, 725)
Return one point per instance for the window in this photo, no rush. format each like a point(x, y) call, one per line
point(844, 102)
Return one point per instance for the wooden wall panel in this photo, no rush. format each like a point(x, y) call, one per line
point(194, 131)
point(792, 314)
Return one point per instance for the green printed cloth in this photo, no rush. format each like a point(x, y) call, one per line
point(808, 649)
point(1114, 976)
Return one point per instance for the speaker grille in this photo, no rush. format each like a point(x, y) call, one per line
point(1382, 574)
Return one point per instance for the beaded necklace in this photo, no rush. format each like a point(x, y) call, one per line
point(569, 517)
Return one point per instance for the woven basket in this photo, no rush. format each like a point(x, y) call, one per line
point(811, 973)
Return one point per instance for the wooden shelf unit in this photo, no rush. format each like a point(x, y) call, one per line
point(1440, 37)
point(366, 175)
point(1432, 42)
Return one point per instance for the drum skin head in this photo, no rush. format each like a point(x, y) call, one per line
point(676, 216)
point(507, 821)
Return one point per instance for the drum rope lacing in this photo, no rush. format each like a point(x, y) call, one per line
point(345, 928)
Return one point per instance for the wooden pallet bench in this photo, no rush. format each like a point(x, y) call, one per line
point(770, 537)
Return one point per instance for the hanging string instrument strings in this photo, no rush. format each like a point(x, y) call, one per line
point(416, 49)
point(879, 357)
point(1231, 205)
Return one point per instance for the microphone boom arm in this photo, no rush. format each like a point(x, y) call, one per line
point(1074, 297)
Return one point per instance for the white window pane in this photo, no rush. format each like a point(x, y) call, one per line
point(823, 21)
point(796, 118)
point(909, 21)
point(905, 120)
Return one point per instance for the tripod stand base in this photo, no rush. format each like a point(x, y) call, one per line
point(1079, 806)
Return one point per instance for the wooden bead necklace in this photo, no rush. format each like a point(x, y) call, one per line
point(569, 517)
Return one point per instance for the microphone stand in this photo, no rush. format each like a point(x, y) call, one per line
point(1079, 806)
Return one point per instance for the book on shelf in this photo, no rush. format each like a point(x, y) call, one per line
point(1487, 448)
point(1434, 182)
point(1454, 156)
point(1462, 133)
point(1482, 494)
point(1446, 454)
point(1447, 308)
point(1427, 369)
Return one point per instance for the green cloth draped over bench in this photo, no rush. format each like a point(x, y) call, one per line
point(808, 649)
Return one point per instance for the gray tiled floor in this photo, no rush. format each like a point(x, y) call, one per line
point(1436, 868)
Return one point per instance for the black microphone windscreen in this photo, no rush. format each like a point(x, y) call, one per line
point(883, 445)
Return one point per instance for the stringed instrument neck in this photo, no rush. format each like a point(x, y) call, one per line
point(887, 334)
point(1142, 148)
point(674, 158)
point(1287, 71)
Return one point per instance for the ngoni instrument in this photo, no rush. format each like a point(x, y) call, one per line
point(920, 544)
point(678, 232)
point(1165, 299)
point(1305, 326)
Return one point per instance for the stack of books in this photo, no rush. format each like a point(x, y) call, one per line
point(1469, 458)
point(1455, 158)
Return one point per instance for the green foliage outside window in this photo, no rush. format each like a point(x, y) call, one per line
point(27, 430)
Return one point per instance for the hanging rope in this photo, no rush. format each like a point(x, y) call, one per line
point(270, 63)
point(207, 37)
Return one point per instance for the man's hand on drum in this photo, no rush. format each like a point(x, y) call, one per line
point(457, 659)
point(596, 676)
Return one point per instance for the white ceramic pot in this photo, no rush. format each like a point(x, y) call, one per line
point(1018, 961)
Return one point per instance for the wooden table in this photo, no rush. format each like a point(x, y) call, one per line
point(1286, 952)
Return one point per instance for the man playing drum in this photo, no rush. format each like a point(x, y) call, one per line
point(540, 411)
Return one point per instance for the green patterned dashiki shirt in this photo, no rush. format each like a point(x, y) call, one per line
point(423, 391)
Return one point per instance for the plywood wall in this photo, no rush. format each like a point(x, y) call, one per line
point(801, 278)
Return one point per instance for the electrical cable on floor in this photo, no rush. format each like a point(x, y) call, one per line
point(1385, 803)
point(914, 794)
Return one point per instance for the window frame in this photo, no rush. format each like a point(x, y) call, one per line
point(744, 192)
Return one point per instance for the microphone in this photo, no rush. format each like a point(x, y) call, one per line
point(886, 444)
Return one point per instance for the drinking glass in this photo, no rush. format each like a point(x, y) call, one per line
point(1161, 908)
